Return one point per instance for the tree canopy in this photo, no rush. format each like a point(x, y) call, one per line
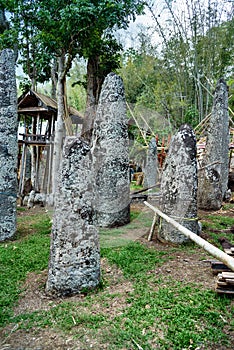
point(180, 57)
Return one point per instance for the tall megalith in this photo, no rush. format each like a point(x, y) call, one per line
point(8, 144)
point(74, 253)
point(213, 171)
point(179, 186)
point(111, 155)
point(151, 168)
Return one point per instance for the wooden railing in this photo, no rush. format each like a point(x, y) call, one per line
point(36, 138)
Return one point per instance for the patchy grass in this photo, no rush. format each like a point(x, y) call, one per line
point(216, 226)
point(29, 253)
point(133, 307)
point(134, 187)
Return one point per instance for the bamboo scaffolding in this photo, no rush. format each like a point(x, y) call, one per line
point(212, 250)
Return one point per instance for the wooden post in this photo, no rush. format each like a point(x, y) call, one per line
point(152, 227)
point(50, 167)
point(37, 185)
point(214, 251)
point(22, 169)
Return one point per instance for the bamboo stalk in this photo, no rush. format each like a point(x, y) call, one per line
point(152, 227)
point(214, 251)
point(137, 124)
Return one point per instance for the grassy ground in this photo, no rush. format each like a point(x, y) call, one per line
point(145, 300)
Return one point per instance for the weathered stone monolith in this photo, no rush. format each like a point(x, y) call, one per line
point(74, 255)
point(179, 186)
point(8, 145)
point(213, 171)
point(151, 168)
point(111, 157)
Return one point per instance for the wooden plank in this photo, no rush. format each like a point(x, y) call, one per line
point(219, 283)
point(218, 267)
point(230, 281)
point(224, 291)
point(227, 275)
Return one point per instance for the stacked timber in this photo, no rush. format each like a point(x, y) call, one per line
point(225, 278)
point(225, 283)
point(218, 267)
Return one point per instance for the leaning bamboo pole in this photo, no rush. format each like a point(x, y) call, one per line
point(217, 253)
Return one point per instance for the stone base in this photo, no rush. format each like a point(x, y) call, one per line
point(113, 219)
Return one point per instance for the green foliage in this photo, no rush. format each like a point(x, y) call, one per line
point(48, 29)
point(192, 116)
point(177, 75)
point(25, 85)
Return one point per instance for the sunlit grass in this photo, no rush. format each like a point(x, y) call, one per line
point(156, 313)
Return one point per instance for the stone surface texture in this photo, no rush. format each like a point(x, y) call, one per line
point(75, 254)
point(151, 168)
point(213, 170)
point(179, 186)
point(111, 155)
point(8, 145)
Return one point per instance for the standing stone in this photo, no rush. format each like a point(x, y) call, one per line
point(74, 255)
point(151, 169)
point(213, 172)
point(179, 186)
point(111, 158)
point(8, 145)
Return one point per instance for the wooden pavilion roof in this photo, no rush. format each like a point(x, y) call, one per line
point(32, 103)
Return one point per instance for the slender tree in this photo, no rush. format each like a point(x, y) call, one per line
point(64, 29)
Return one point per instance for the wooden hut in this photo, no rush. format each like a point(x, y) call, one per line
point(37, 114)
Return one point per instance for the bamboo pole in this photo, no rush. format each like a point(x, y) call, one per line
point(137, 124)
point(217, 253)
point(152, 227)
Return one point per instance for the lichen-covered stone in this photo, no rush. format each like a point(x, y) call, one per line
point(213, 172)
point(111, 157)
point(151, 169)
point(74, 256)
point(8, 145)
point(179, 186)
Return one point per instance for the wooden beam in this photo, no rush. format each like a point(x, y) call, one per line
point(214, 251)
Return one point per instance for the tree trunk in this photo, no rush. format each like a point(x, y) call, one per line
point(59, 126)
point(3, 21)
point(94, 83)
point(54, 78)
